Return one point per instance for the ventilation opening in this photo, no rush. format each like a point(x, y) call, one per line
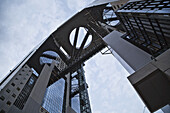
point(18, 88)
point(24, 94)
point(13, 84)
point(64, 51)
point(21, 83)
point(8, 91)
point(2, 98)
point(80, 38)
point(13, 95)
point(8, 103)
point(16, 78)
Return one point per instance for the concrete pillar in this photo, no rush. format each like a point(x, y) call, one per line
point(130, 56)
point(36, 97)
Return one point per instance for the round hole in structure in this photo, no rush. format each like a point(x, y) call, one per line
point(80, 38)
point(48, 56)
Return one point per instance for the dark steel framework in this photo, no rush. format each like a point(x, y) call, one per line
point(58, 42)
point(109, 15)
point(80, 89)
point(147, 24)
point(88, 18)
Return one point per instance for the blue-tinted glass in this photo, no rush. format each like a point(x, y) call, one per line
point(51, 53)
point(44, 60)
point(53, 100)
point(75, 103)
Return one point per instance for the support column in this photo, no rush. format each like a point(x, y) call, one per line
point(36, 97)
point(68, 107)
point(131, 57)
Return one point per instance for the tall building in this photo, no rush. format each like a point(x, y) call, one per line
point(144, 49)
point(54, 97)
point(51, 77)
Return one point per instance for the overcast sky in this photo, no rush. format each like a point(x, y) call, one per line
point(25, 23)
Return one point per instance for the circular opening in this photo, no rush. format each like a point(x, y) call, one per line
point(80, 38)
point(48, 56)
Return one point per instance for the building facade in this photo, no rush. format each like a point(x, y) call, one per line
point(144, 49)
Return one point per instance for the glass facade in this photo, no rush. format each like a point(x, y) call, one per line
point(75, 103)
point(53, 100)
point(55, 94)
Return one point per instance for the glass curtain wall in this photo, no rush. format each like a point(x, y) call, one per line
point(53, 100)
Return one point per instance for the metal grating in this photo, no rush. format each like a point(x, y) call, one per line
point(147, 4)
point(109, 17)
point(79, 91)
point(83, 93)
point(148, 31)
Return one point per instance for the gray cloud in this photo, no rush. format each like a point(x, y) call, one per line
point(23, 24)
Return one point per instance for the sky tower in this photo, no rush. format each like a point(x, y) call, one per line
point(51, 78)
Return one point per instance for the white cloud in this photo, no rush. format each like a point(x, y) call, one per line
point(23, 25)
point(78, 4)
point(109, 89)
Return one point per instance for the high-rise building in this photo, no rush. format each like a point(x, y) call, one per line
point(144, 49)
point(51, 77)
point(54, 97)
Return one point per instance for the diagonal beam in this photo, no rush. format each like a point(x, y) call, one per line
point(75, 41)
point(110, 19)
point(108, 8)
point(84, 40)
point(82, 44)
point(76, 37)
